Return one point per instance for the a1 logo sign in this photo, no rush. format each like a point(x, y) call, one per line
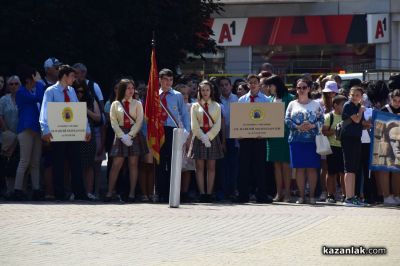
point(378, 28)
point(229, 32)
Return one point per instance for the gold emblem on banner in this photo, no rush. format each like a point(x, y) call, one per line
point(256, 114)
point(67, 114)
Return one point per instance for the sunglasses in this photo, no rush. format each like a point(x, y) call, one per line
point(302, 88)
point(13, 83)
point(81, 92)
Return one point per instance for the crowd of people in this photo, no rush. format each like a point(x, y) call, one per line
point(216, 167)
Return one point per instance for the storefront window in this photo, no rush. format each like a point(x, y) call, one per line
point(299, 59)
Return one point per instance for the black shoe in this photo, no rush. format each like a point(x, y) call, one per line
point(203, 198)
point(107, 198)
point(369, 201)
point(264, 199)
point(231, 198)
point(343, 198)
point(131, 200)
point(37, 195)
point(330, 199)
point(60, 199)
point(209, 198)
point(184, 198)
point(9, 195)
point(19, 195)
point(49, 198)
point(241, 200)
point(163, 199)
point(82, 197)
point(379, 199)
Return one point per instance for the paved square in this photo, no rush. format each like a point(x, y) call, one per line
point(198, 234)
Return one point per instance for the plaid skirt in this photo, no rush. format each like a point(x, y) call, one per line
point(139, 146)
point(200, 152)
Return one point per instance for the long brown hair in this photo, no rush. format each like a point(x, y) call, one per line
point(328, 101)
point(212, 92)
point(122, 86)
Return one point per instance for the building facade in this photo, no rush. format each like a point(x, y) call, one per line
point(319, 36)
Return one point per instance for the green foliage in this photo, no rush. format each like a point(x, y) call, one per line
point(111, 37)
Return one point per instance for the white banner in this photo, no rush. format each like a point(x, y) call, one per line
point(67, 121)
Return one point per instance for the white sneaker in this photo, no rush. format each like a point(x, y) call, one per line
point(390, 201)
point(300, 201)
point(323, 195)
point(91, 196)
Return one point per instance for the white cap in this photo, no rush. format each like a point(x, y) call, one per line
point(331, 86)
point(52, 61)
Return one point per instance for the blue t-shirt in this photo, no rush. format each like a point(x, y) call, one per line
point(353, 129)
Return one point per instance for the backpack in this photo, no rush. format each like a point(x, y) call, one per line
point(91, 89)
point(331, 120)
point(340, 127)
point(46, 84)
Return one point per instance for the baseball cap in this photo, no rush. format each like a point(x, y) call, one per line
point(331, 86)
point(52, 61)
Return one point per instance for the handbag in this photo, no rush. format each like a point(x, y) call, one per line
point(323, 145)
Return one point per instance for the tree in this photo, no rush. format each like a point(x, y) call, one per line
point(111, 37)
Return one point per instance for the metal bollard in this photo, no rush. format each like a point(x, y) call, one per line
point(176, 167)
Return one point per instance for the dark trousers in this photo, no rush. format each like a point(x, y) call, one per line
point(270, 178)
point(252, 158)
point(163, 170)
point(70, 151)
point(227, 169)
point(369, 184)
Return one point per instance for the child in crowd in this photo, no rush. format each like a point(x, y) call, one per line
point(334, 160)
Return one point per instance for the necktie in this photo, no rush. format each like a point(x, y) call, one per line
point(164, 114)
point(66, 97)
point(206, 123)
point(252, 98)
point(127, 122)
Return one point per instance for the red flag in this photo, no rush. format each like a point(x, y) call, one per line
point(155, 126)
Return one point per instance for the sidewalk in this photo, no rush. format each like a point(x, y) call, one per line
point(153, 234)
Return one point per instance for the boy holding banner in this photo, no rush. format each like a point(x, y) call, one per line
point(63, 150)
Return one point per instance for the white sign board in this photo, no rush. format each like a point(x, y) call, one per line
point(229, 31)
point(378, 28)
point(67, 121)
point(257, 120)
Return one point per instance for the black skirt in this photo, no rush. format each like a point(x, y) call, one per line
point(139, 146)
point(200, 152)
point(88, 152)
point(10, 164)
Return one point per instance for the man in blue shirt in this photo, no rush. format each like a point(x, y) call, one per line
point(63, 150)
point(229, 170)
point(252, 155)
point(174, 114)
